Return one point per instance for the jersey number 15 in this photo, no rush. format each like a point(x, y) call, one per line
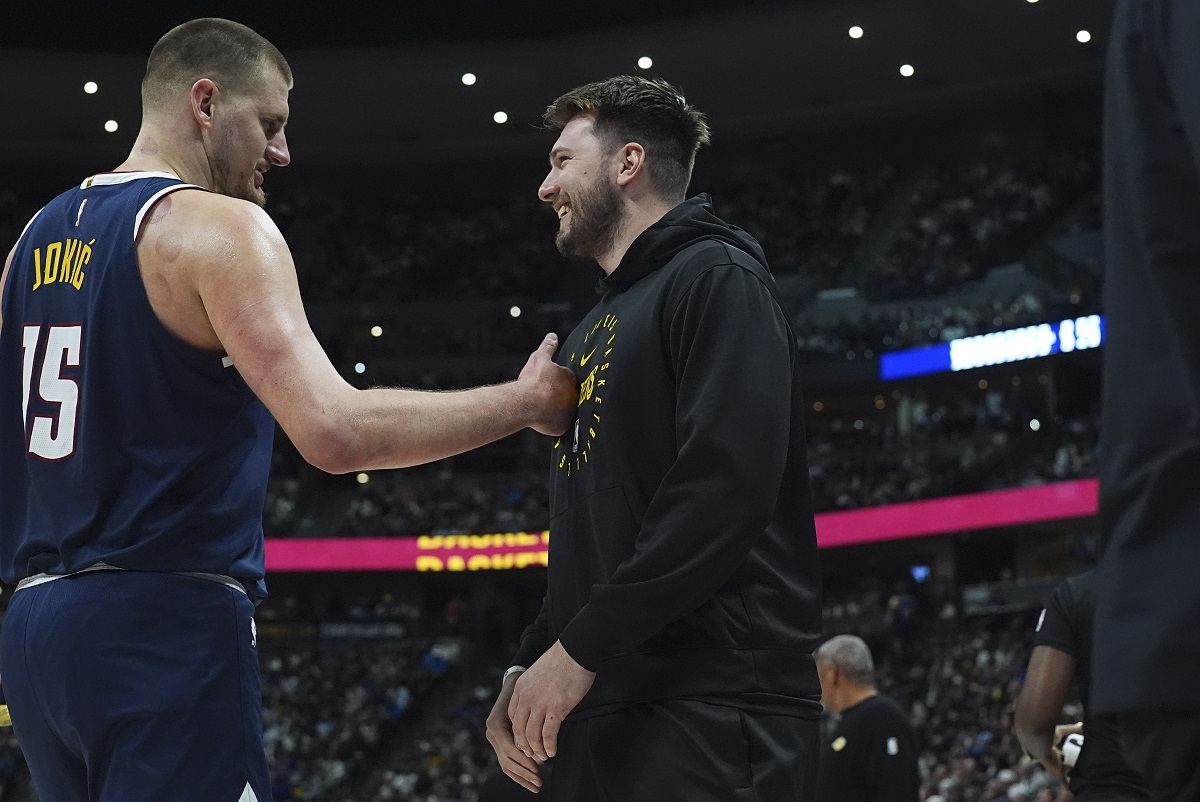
point(62, 349)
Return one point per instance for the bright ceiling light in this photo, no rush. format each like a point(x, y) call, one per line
point(645, 63)
point(515, 311)
point(500, 117)
point(1083, 37)
point(110, 126)
point(907, 70)
point(468, 79)
point(91, 87)
point(377, 331)
point(359, 367)
point(363, 478)
point(856, 32)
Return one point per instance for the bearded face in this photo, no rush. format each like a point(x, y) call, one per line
point(592, 222)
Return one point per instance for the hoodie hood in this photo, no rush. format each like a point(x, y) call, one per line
point(688, 223)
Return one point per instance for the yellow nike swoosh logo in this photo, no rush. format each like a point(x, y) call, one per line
point(584, 361)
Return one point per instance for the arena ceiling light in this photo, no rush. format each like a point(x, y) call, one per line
point(907, 70)
point(856, 32)
point(91, 87)
point(500, 117)
point(468, 79)
point(514, 311)
point(359, 367)
point(1083, 37)
point(645, 63)
point(377, 331)
point(110, 126)
point(363, 478)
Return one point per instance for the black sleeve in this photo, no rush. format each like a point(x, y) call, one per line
point(534, 639)
point(729, 347)
point(1056, 626)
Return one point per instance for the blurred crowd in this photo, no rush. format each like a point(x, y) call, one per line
point(969, 217)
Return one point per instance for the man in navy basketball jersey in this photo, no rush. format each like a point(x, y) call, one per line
point(150, 329)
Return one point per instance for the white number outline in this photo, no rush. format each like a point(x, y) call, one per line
point(63, 346)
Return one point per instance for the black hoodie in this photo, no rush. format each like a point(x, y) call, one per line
point(683, 556)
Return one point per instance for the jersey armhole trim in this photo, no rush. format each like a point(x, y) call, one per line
point(30, 223)
point(139, 218)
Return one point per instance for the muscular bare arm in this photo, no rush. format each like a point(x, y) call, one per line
point(1048, 680)
point(4, 278)
point(232, 265)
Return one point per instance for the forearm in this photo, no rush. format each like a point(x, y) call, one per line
point(1036, 739)
point(1048, 678)
point(389, 428)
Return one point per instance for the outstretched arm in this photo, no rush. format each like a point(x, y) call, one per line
point(236, 264)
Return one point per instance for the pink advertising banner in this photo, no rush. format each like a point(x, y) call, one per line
point(997, 508)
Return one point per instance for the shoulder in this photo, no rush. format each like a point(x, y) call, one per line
point(887, 708)
point(207, 228)
point(706, 254)
point(712, 265)
point(211, 214)
point(1056, 627)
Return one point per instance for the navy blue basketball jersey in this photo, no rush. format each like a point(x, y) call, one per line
point(119, 443)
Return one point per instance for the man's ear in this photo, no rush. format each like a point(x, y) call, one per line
point(631, 163)
point(203, 96)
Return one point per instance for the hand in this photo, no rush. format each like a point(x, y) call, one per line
point(1053, 764)
point(553, 391)
point(1063, 730)
point(542, 697)
point(516, 764)
point(1054, 761)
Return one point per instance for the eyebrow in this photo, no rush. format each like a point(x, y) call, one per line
point(554, 154)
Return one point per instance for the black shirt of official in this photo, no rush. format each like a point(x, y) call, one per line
point(872, 756)
point(1066, 625)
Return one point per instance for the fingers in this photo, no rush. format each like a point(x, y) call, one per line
point(518, 714)
point(520, 768)
point(550, 735)
point(521, 774)
point(533, 736)
point(550, 344)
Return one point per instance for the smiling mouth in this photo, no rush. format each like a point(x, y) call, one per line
point(562, 210)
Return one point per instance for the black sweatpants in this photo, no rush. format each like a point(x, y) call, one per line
point(686, 751)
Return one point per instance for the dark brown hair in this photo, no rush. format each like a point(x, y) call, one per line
point(652, 113)
point(230, 54)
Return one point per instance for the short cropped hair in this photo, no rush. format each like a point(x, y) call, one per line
point(652, 113)
point(850, 654)
point(226, 52)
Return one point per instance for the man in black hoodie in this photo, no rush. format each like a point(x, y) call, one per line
point(672, 656)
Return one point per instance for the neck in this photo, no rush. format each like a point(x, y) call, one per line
point(855, 695)
point(641, 218)
point(160, 150)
